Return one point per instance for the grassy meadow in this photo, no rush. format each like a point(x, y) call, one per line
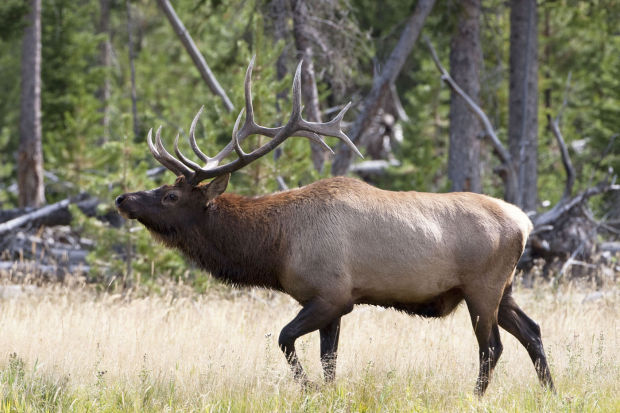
point(74, 350)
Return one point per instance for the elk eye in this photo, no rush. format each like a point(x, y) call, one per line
point(171, 197)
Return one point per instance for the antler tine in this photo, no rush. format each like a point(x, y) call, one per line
point(149, 140)
point(295, 126)
point(156, 155)
point(249, 109)
point(235, 139)
point(192, 138)
point(168, 160)
point(296, 110)
point(250, 127)
point(182, 158)
point(331, 128)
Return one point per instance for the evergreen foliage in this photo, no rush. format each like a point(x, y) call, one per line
point(580, 38)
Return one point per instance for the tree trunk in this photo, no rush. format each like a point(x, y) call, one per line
point(280, 16)
point(465, 61)
point(105, 55)
point(523, 100)
point(507, 171)
point(303, 43)
point(134, 97)
point(30, 155)
point(381, 84)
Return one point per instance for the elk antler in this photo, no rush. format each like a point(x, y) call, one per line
point(296, 126)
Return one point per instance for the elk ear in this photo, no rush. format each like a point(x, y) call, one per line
point(217, 186)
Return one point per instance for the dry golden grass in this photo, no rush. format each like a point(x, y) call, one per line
point(72, 350)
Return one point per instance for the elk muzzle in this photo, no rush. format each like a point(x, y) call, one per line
point(125, 206)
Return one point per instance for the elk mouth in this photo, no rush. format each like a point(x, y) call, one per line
point(126, 214)
point(123, 208)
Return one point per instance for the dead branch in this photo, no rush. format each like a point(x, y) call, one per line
point(568, 165)
point(613, 247)
point(562, 207)
point(381, 84)
point(33, 216)
point(572, 259)
point(554, 126)
point(52, 215)
point(282, 186)
point(400, 110)
point(195, 54)
point(373, 167)
point(510, 176)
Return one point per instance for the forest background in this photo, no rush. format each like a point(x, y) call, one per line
point(133, 326)
point(111, 70)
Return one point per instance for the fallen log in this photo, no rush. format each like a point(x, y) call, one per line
point(612, 247)
point(372, 167)
point(54, 214)
point(58, 211)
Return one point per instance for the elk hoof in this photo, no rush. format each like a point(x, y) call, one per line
point(309, 386)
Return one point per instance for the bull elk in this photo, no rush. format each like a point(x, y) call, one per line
point(339, 242)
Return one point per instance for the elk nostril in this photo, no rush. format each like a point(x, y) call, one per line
point(120, 199)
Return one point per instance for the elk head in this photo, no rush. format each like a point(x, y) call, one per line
point(170, 209)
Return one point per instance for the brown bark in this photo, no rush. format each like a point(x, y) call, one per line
point(303, 43)
point(280, 15)
point(465, 62)
point(30, 154)
point(507, 171)
point(523, 100)
point(134, 97)
point(381, 84)
point(105, 55)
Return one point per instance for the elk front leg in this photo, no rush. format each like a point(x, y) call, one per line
point(329, 349)
point(316, 314)
point(489, 343)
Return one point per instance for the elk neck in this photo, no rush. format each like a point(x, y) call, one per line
point(239, 241)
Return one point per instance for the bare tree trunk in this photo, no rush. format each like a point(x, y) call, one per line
point(30, 154)
point(105, 54)
point(381, 84)
point(523, 100)
point(194, 53)
point(465, 61)
point(310, 93)
point(134, 97)
point(280, 16)
point(507, 172)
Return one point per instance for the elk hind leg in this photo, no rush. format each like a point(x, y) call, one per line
point(329, 348)
point(484, 321)
point(512, 319)
point(316, 314)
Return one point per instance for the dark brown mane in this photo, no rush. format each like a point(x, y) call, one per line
point(235, 245)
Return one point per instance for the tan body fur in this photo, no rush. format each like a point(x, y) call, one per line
point(383, 247)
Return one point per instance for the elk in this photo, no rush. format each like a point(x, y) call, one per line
point(339, 242)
